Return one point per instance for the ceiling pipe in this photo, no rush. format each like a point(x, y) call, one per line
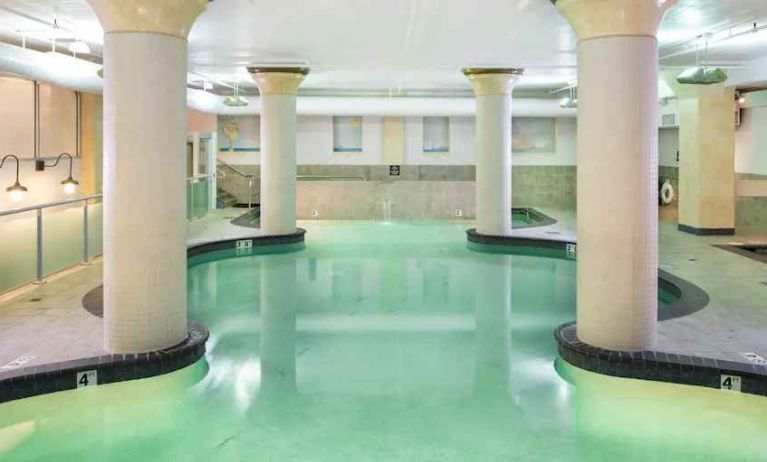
point(58, 69)
point(381, 106)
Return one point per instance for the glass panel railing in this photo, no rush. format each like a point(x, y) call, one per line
point(41, 239)
point(62, 237)
point(198, 197)
point(95, 229)
point(201, 199)
point(18, 250)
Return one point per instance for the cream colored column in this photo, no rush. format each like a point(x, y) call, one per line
point(617, 169)
point(492, 88)
point(145, 53)
point(278, 87)
point(706, 157)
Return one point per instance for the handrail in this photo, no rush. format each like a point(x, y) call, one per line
point(330, 177)
point(249, 177)
point(39, 274)
point(235, 169)
point(199, 177)
point(31, 208)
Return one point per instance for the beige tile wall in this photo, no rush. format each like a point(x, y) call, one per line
point(379, 200)
point(751, 212)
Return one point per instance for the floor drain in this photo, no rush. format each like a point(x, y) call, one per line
point(692, 259)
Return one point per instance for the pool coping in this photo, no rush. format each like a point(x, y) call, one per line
point(649, 364)
point(27, 382)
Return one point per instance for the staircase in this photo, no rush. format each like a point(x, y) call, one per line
point(230, 178)
point(224, 199)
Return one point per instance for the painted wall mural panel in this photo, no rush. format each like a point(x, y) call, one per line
point(240, 133)
point(533, 135)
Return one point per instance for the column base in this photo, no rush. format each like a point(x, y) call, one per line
point(706, 231)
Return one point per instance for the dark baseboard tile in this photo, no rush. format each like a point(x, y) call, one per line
point(706, 231)
point(50, 378)
point(658, 366)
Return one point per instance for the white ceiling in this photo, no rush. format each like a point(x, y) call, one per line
point(393, 45)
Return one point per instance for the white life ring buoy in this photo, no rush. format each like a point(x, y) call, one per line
point(666, 193)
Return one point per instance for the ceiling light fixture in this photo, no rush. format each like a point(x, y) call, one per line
point(702, 74)
point(69, 184)
point(16, 190)
point(740, 98)
point(235, 100)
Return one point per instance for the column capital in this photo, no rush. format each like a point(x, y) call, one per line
point(492, 80)
point(278, 80)
point(167, 17)
point(605, 18)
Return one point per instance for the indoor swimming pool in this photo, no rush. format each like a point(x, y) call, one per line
point(384, 341)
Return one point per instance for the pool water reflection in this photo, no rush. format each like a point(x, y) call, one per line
point(384, 342)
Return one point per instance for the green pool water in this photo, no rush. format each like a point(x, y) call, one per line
point(384, 342)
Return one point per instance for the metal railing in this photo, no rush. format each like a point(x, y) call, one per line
point(38, 209)
point(241, 174)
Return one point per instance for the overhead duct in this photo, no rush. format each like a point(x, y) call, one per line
point(382, 106)
point(56, 68)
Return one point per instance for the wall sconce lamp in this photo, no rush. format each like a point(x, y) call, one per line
point(70, 184)
point(16, 190)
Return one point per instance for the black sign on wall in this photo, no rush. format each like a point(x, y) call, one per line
point(393, 170)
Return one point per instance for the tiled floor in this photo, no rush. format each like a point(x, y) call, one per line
point(47, 323)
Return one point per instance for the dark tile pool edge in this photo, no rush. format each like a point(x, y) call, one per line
point(243, 243)
point(690, 298)
point(658, 366)
point(645, 365)
point(93, 300)
point(110, 368)
point(32, 381)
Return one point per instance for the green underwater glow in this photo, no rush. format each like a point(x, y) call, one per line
point(384, 342)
